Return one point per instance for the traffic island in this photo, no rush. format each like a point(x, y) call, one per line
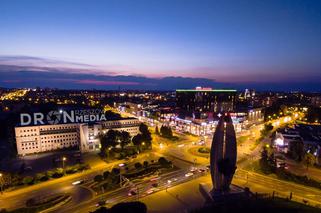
point(44, 204)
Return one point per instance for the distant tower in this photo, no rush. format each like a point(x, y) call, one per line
point(223, 155)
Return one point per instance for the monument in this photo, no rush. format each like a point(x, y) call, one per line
point(223, 157)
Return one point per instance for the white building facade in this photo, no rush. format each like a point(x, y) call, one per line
point(45, 138)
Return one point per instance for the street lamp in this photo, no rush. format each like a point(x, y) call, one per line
point(63, 164)
point(168, 183)
point(1, 183)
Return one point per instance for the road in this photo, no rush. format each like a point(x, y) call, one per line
point(145, 188)
point(85, 200)
point(18, 197)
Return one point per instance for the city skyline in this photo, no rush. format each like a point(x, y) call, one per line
point(232, 43)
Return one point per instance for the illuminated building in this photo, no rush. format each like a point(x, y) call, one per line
point(44, 138)
point(204, 102)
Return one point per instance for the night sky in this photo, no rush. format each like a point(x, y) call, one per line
point(265, 44)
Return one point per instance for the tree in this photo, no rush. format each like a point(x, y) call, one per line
point(98, 178)
point(266, 164)
point(267, 128)
point(137, 141)
point(156, 130)
point(166, 131)
point(28, 180)
point(124, 139)
point(7, 180)
point(296, 150)
point(106, 174)
point(145, 163)
point(143, 138)
point(143, 128)
point(163, 161)
point(138, 165)
point(115, 171)
point(146, 135)
point(108, 140)
point(309, 159)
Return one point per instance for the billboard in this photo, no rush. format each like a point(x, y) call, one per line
point(62, 117)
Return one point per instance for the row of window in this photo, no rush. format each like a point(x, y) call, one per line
point(30, 147)
point(30, 143)
point(60, 140)
point(58, 127)
point(28, 135)
point(59, 136)
point(28, 130)
point(49, 146)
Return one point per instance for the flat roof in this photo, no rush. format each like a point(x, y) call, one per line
point(206, 90)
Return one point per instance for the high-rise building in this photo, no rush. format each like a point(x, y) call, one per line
point(204, 102)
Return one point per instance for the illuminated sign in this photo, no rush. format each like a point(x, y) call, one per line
point(62, 117)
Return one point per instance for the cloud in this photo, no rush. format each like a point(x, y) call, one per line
point(104, 83)
point(70, 77)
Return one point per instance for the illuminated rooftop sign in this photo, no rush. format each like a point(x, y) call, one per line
point(205, 90)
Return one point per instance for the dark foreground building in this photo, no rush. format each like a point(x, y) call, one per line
point(204, 102)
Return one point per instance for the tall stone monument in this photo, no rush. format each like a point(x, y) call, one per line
point(223, 156)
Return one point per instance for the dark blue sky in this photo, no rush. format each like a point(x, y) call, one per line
point(230, 41)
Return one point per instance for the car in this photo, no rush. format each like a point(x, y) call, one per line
point(282, 165)
point(193, 169)
point(150, 191)
point(154, 184)
point(101, 203)
point(154, 178)
point(122, 164)
point(77, 182)
point(201, 170)
point(201, 143)
point(173, 180)
point(132, 192)
point(134, 156)
point(126, 158)
point(188, 174)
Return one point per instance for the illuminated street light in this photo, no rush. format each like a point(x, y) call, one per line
point(168, 183)
point(63, 164)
